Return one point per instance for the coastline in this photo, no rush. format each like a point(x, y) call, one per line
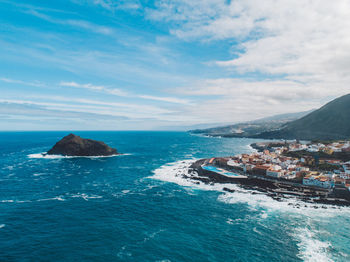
point(276, 189)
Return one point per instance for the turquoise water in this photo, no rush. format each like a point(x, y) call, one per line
point(137, 207)
point(219, 171)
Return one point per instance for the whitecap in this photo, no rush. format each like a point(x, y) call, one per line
point(257, 231)
point(43, 155)
point(7, 201)
point(230, 221)
point(152, 235)
point(9, 167)
point(2, 225)
point(59, 198)
point(85, 196)
point(14, 201)
point(123, 253)
point(310, 248)
point(38, 174)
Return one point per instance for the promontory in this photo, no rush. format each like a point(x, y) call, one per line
point(73, 145)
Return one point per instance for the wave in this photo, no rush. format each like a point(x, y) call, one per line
point(178, 173)
point(84, 196)
point(59, 198)
point(16, 201)
point(43, 155)
point(309, 247)
point(64, 197)
point(2, 225)
point(251, 149)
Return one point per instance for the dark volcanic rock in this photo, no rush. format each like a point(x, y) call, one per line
point(73, 145)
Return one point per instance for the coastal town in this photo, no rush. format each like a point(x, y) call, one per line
point(318, 166)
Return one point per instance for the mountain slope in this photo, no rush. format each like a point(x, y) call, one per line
point(332, 121)
point(251, 128)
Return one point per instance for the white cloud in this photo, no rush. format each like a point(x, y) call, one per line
point(119, 92)
point(233, 100)
point(119, 4)
point(280, 90)
point(112, 91)
point(128, 110)
point(166, 99)
point(296, 54)
point(14, 81)
point(72, 22)
point(277, 37)
point(88, 26)
point(298, 51)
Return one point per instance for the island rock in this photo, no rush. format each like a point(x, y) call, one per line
point(73, 145)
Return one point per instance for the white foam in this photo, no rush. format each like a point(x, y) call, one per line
point(175, 172)
point(2, 225)
point(264, 215)
point(230, 221)
point(59, 198)
point(14, 201)
point(152, 235)
point(251, 149)
point(85, 196)
point(9, 167)
point(7, 201)
point(123, 253)
point(310, 248)
point(56, 198)
point(43, 155)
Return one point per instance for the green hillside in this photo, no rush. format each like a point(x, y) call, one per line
point(332, 121)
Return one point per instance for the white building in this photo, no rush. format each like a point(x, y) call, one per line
point(312, 181)
point(274, 171)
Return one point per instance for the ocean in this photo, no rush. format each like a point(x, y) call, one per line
point(137, 207)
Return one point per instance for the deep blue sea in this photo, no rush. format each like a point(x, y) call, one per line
point(136, 207)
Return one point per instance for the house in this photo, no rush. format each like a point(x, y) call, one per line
point(310, 161)
point(318, 181)
point(312, 148)
point(327, 150)
point(346, 149)
point(274, 171)
point(260, 170)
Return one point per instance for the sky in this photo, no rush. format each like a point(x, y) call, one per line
point(167, 65)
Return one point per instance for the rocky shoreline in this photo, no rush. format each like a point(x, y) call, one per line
point(278, 190)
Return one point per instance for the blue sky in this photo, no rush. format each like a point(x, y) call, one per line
point(137, 65)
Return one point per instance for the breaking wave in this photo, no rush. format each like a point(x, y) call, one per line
point(309, 247)
point(178, 173)
point(43, 155)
